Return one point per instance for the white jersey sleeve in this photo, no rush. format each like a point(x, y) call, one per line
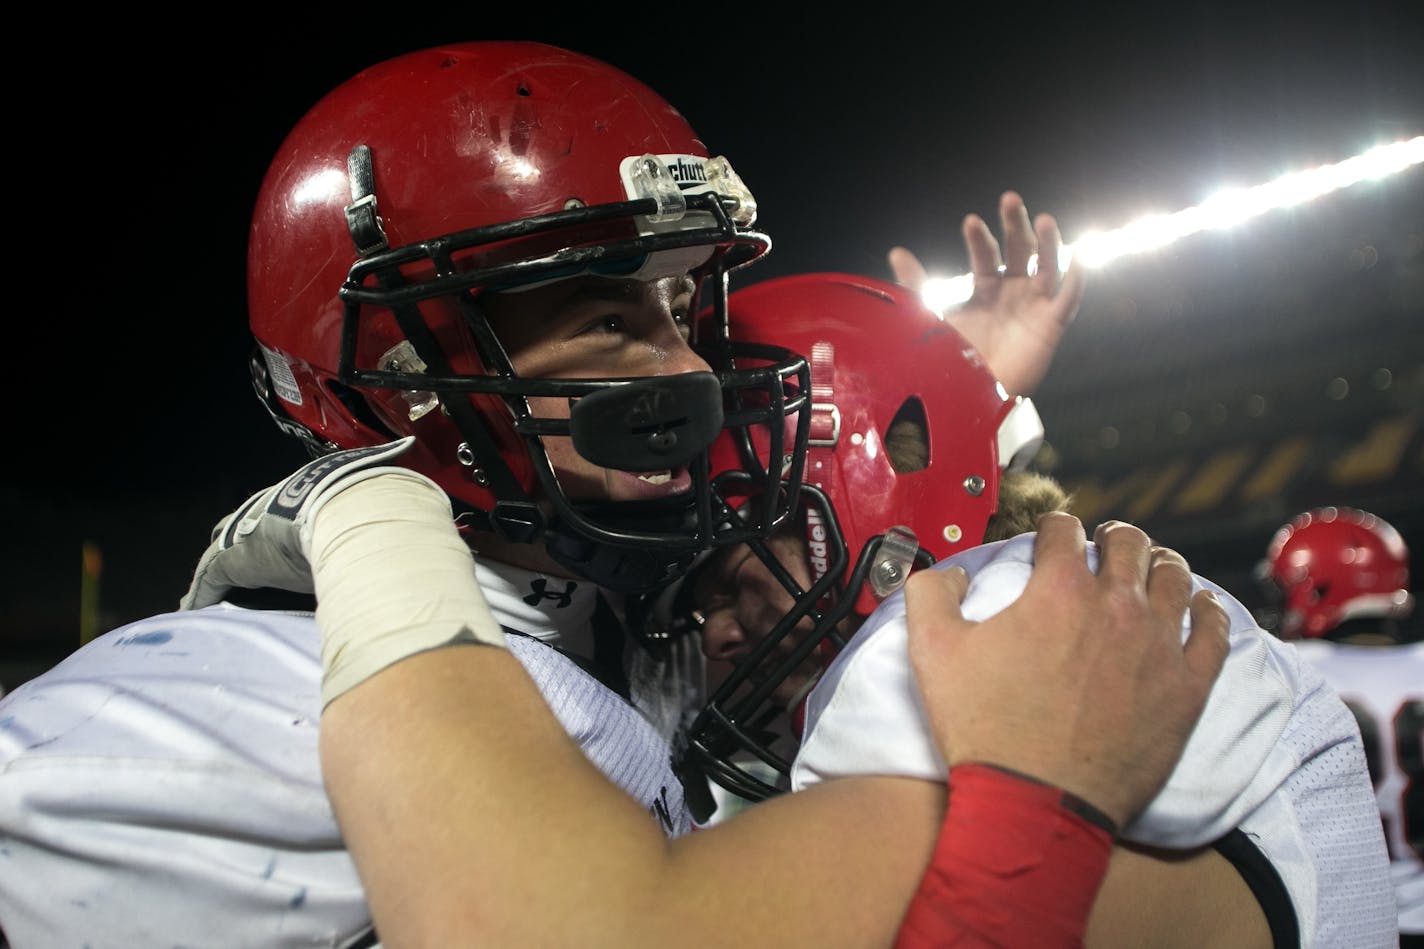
point(162, 786)
point(1263, 724)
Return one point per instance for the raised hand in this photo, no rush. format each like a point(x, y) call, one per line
point(1014, 318)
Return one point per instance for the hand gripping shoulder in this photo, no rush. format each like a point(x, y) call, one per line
point(266, 542)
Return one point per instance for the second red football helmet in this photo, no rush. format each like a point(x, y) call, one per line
point(1334, 564)
point(909, 434)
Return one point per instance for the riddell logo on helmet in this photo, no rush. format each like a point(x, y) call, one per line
point(816, 542)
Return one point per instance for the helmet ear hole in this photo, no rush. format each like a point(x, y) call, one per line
point(906, 441)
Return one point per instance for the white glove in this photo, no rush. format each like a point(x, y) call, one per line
point(266, 543)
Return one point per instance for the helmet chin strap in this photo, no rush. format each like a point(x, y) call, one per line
point(363, 220)
point(625, 568)
point(617, 569)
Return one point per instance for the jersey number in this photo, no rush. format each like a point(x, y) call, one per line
point(1408, 751)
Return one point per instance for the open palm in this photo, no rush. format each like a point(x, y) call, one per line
point(1014, 318)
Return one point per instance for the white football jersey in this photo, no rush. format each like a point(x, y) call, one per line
point(1275, 754)
point(162, 785)
point(1384, 687)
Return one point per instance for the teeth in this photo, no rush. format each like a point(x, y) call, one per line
point(656, 477)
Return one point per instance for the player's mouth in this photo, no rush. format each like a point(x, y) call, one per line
point(659, 484)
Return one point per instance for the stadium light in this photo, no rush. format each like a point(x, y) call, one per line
point(1222, 210)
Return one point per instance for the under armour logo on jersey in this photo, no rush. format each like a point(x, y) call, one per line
point(662, 811)
point(541, 592)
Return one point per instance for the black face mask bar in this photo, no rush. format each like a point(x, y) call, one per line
point(740, 739)
point(629, 424)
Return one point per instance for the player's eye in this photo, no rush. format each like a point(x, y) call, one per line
point(681, 315)
point(605, 325)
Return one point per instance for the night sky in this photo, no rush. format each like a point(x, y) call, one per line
point(139, 156)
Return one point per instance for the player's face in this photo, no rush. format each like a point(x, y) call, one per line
point(742, 601)
point(595, 328)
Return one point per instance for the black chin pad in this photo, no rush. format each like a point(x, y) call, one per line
point(630, 567)
point(648, 425)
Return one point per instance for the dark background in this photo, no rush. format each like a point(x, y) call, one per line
point(136, 151)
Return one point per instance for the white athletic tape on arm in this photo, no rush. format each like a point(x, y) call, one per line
point(392, 578)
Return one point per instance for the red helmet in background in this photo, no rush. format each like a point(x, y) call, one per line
point(879, 358)
point(1334, 564)
point(428, 180)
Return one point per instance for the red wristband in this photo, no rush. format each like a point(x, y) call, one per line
point(1017, 864)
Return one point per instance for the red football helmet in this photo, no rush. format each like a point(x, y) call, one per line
point(878, 357)
point(426, 181)
point(1334, 564)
